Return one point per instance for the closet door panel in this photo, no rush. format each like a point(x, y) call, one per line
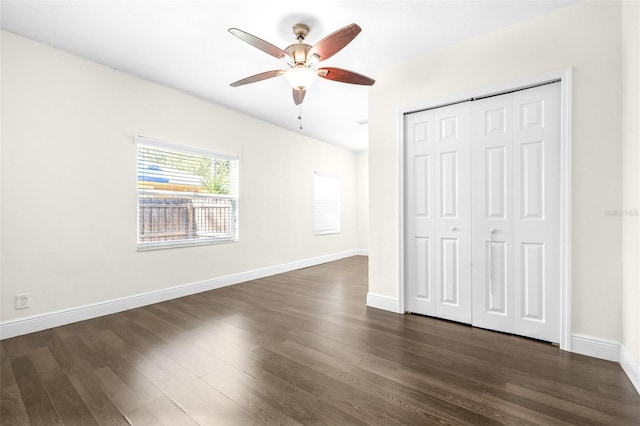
point(421, 180)
point(531, 182)
point(492, 212)
point(496, 268)
point(532, 262)
point(453, 222)
point(420, 213)
point(449, 283)
point(422, 277)
point(536, 142)
point(448, 185)
point(495, 203)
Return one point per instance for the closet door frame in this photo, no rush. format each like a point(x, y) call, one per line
point(564, 76)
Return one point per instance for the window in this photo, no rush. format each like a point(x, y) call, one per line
point(185, 196)
point(326, 204)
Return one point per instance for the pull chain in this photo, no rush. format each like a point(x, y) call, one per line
point(300, 115)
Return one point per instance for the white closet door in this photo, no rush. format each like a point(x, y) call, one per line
point(536, 138)
point(437, 243)
point(516, 211)
point(492, 222)
point(420, 213)
point(453, 213)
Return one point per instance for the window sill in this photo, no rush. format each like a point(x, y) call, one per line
point(326, 233)
point(181, 244)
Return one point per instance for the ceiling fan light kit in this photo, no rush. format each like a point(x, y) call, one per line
point(300, 77)
point(302, 59)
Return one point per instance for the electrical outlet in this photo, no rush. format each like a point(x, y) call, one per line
point(22, 301)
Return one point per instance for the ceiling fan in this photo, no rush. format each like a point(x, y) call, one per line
point(303, 58)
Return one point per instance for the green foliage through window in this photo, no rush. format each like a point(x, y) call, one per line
point(216, 181)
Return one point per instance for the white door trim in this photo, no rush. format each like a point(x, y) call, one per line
point(565, 77)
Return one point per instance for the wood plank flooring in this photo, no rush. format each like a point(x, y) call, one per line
point(299, 348)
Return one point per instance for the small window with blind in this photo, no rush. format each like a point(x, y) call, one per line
point(326, 204)
point(186, 196)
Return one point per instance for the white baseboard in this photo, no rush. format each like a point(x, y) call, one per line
point(362, 252)
point(40, 322)
point(630, 366)
point(595, 347)
point(383, 302)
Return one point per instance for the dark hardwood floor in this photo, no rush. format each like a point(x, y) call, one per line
point(299, 348)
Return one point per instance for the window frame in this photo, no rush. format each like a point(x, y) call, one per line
point(142, 141)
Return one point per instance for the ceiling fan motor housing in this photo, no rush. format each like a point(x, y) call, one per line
point(298, 52)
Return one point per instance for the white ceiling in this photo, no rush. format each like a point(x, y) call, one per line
point(185, 45)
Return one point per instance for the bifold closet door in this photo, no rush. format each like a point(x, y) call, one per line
point(438, 219)
point(515, 154)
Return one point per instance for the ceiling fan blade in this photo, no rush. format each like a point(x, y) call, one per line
point(258, 77)
point(345, 76)
point(334, 42)
point(259, 43)
point(298, 95)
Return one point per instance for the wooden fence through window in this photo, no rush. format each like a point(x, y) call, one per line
point(167, 219)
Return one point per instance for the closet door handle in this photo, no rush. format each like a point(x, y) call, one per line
point(454, 228)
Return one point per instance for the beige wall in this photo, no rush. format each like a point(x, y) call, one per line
point(586, 37)
point(362, 167)
point(631, 177)
point(69, 172)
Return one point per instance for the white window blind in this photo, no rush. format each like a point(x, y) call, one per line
point(185, 196)
point(326, 204)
